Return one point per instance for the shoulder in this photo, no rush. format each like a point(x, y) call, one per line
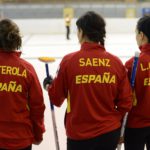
point(129, 62)
point(114, 58)
point(66, 61)
point(28, 66)
point(69, 57)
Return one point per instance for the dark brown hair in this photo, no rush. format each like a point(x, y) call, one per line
point(143, 25)
point(10, 38)
point(93, 26)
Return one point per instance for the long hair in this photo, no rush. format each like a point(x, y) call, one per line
point(93, 26)
point(10, 38)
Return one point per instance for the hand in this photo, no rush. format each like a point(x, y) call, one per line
point(47, 81)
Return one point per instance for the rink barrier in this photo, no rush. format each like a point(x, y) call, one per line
point(57, 26)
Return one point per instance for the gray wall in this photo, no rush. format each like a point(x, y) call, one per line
point(56, 11)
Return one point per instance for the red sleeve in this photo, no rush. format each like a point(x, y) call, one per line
point(124, 99)
point(37, 107)
point(128, 66)
point(58, 95)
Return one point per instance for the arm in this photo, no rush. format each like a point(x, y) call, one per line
point(37, 107)
point(124, 100)
point(58, 90)
point(128, 66)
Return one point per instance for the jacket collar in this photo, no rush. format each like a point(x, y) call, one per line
point(15, 52)
point(145, 48)
point(92, 46)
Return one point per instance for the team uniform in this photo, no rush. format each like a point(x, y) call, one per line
point(98, 94)
point(138, 125)
point(21, 103)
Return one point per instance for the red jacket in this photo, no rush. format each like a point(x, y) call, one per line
point(96, 86)
point(140, 114)
point(21, 102)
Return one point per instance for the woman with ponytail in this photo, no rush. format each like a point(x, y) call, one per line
point(97, 89)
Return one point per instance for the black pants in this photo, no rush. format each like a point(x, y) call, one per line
point(27, 148)
point(106, 141)
point(68, 32)
point(137, 138)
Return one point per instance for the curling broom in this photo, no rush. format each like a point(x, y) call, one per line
point(47, 60)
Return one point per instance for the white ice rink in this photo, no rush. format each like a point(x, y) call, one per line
point(34, 46)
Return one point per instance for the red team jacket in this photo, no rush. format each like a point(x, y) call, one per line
point(97, 89)
point(21, 103)
point(139, 116)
